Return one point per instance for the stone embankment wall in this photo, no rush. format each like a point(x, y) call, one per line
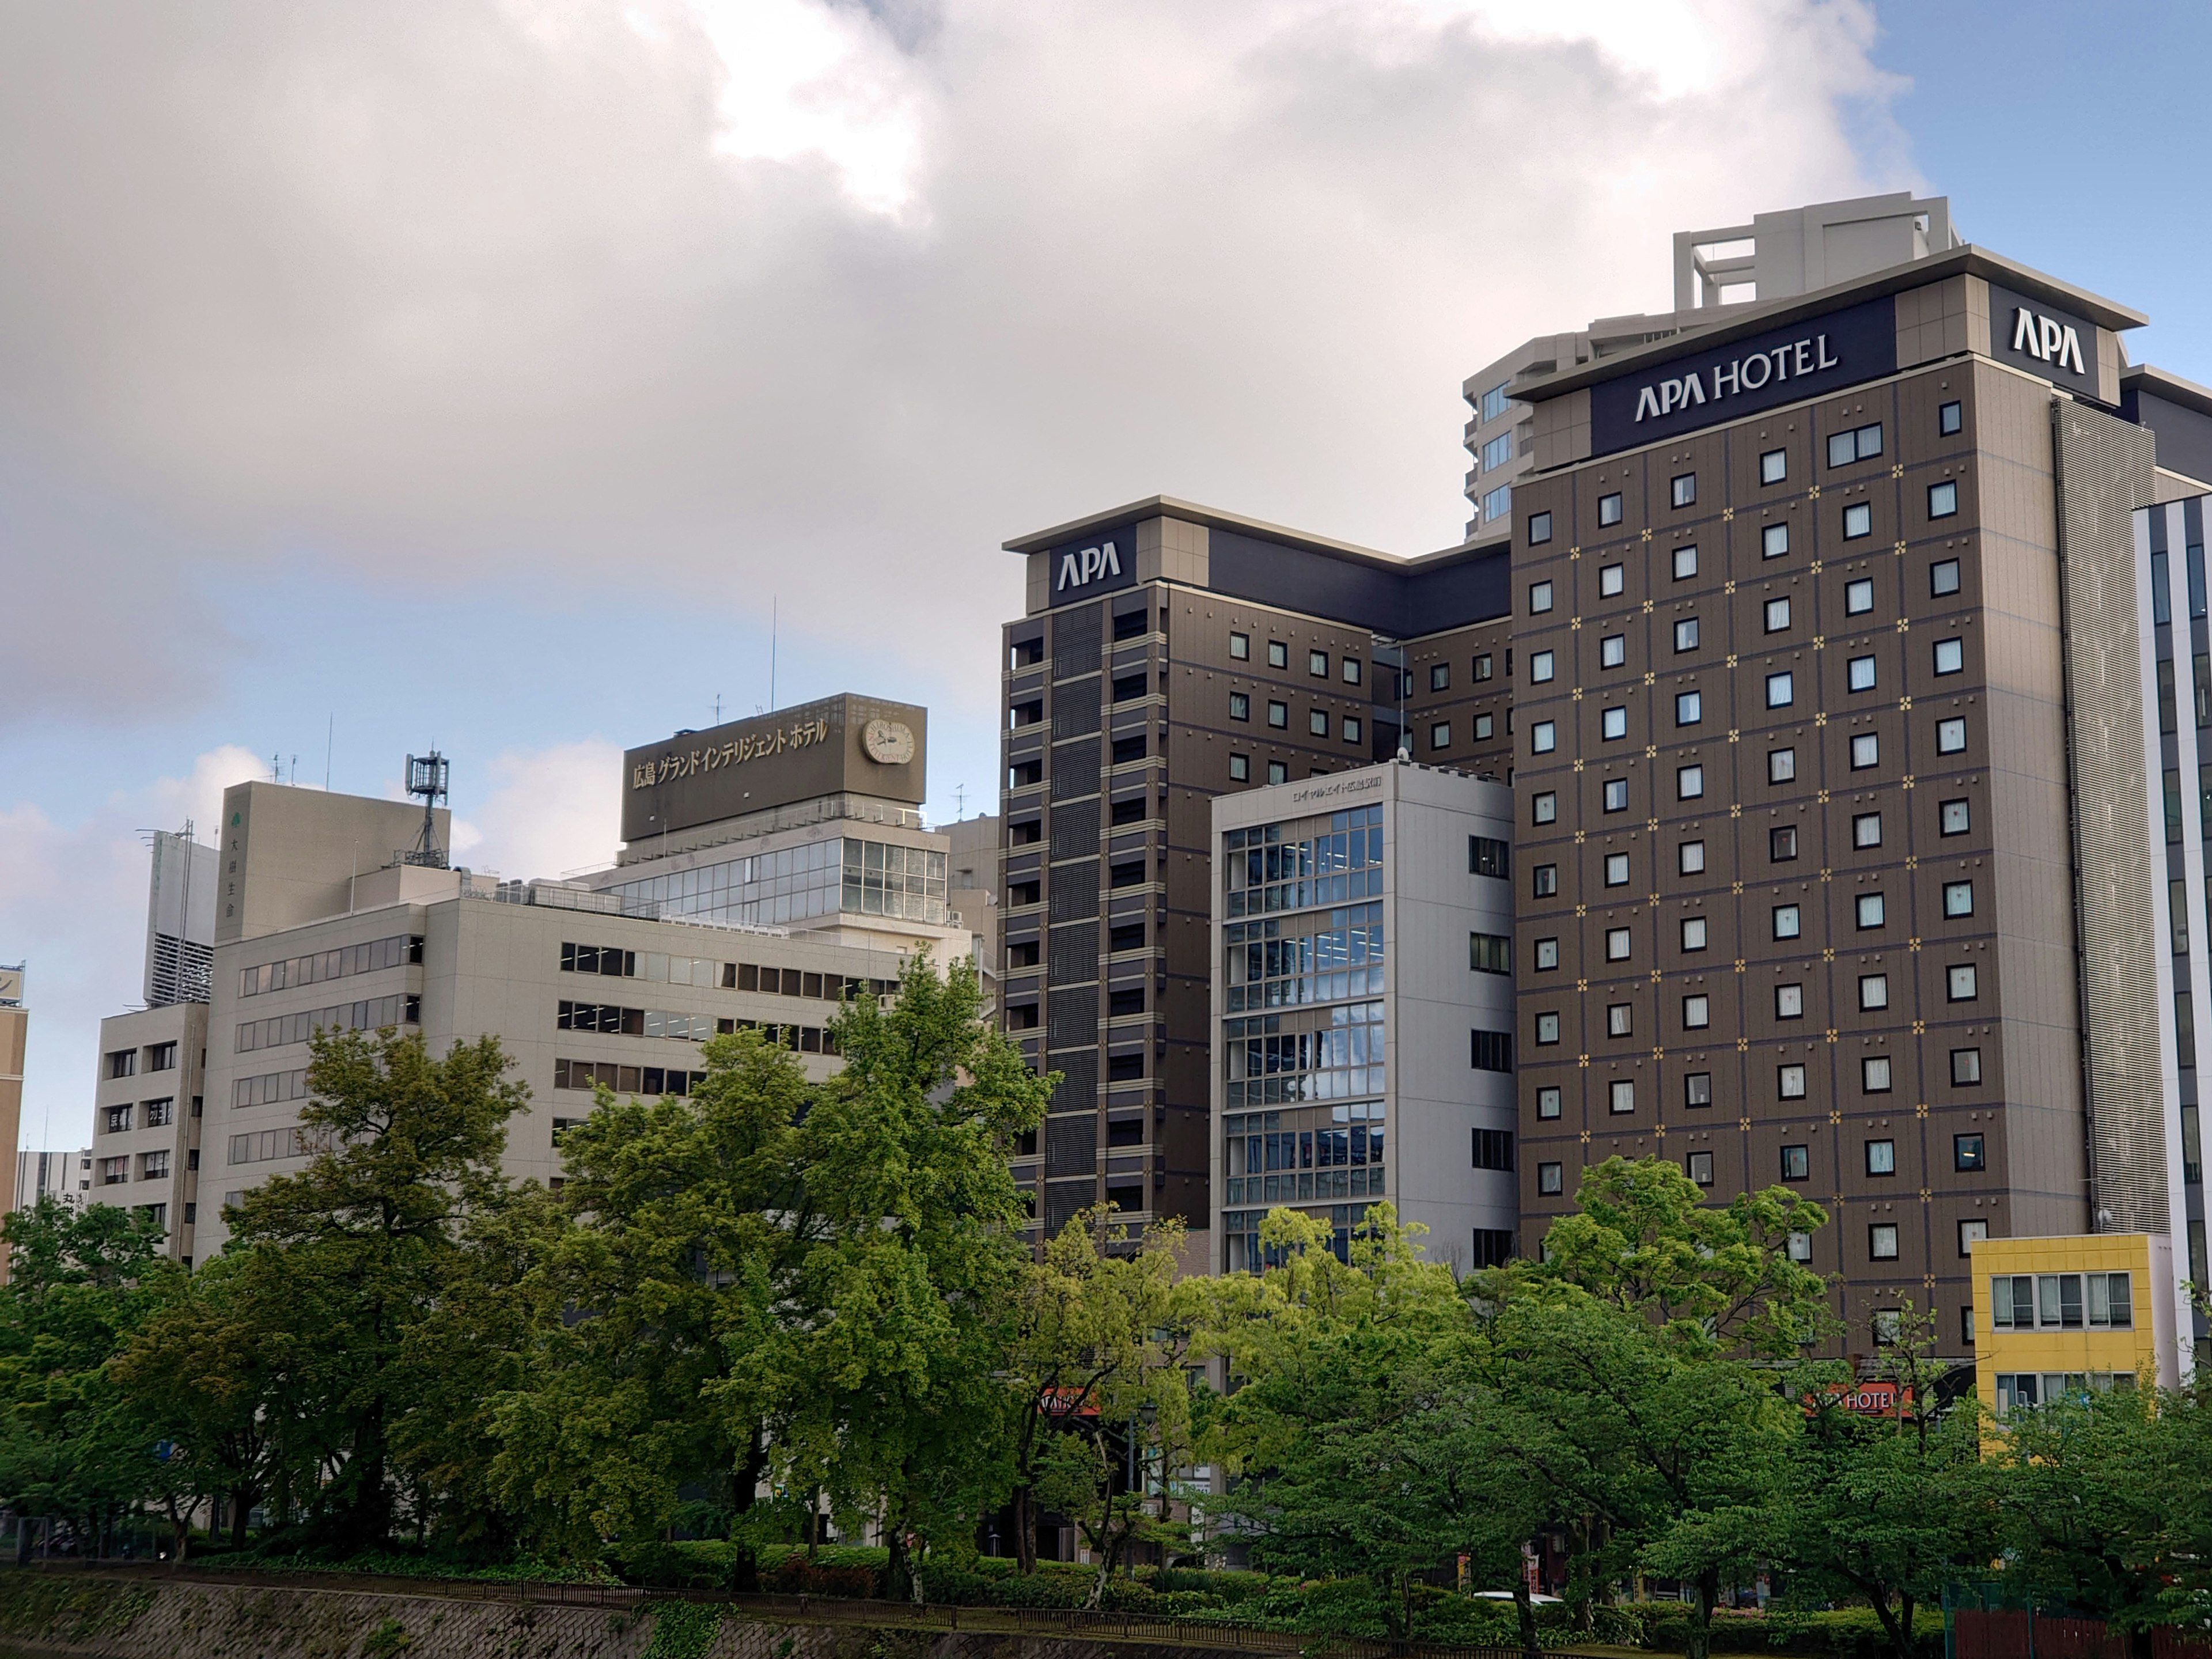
point(44, 1616)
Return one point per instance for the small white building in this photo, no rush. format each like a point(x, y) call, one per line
point(1363, 1003)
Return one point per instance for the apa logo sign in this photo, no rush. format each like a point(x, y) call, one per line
point(1083, 566)
point(2047, 339)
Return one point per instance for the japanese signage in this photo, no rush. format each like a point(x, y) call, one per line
point(1782, 366)
point(734, 751)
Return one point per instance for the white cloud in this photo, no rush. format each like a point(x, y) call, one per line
point(551, 812)
point(717, 301)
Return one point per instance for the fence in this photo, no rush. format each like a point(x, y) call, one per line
point(1133, 1627)
point(2024, 1634)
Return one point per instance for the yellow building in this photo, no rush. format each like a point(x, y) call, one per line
point(2055, 1315)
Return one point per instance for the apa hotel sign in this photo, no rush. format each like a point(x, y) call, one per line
point(1764, 371)
point(1103, 561)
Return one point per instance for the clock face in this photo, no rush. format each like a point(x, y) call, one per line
point(889, 743)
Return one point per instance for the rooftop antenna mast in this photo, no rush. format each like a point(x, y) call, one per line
point(428, 776)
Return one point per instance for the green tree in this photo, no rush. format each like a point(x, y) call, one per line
point(363, 1241)
point(73, 1442)
point(689, 1216)
point(885, 1366)
point(1099, 1386)
point(1885, 1508)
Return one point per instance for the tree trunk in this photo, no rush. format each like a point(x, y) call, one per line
point(744, 1568)
point(1701, 1625)
point(1526, 1610)
point(241, 1505)
point(1025, 1556)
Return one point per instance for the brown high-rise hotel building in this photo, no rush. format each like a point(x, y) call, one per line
point(1854, 693)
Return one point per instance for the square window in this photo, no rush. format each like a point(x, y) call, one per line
point(1858, 521)
point(1240, 706)
point(1843, 449)
point(1858, 597)
point(1440, 735)
point(1957, 898)
point(1950, 656)
point(1965, 1067)
point(1950, 418)
point(1542, 666)
point(1279, 655)
point(1608, 508)
point(1548, 1103)
point(1788, 924)
point(1881, 1245)
point(1612, 724)
point(1550, 1180)
point(1540, 597)
point(1966, 1152)
point(1689, 707)
point(1683, 488)
point(1697, 1089)
point(1696, 1012)
point(1971, 1233)
point(1700, 1166)
point(1351, 668)
point(1486, 727)
point(1693, 933)
point(1547, 955)
point(1790, 1002)
point(1881, 1157)
point(1278, 715)
point(1240, 768)
point(1240, 647)
point(1781, 765)
point(1859, 674)
point(1781, 690)
point(1865, 829)
point(1544, 880)
point(1959, 982)
point(1616, 794)
point(1873, 1074)
point(1865, 750)
point(1774, 466)
point(1800, 1248)
point(1544, 806)
point(1777, 615)
point(1612, 580)
point(1616, 944)
point(1547, 1029)
point(1789, 1082)
point(1317, 666)
point(1942, 500)
point(1796, 1164)
point(1871, 911)
point(1773, 541)
point(1689, 782)
point(1782, 843)
point(1950, 736)
point(1943, 577)
point(1954, 818)
point(1690, 858)
point(1317, 722)
point(1616, 869)
point(1352, 728)
point(1874, 991)
point(1613, 651)
point(1279, 772)
point(1440, 676)
point(1622, 1096)
point(1482, 665)
point(1685, 634)
point(1543, 738)
point(1686, 563)
point(1539, 529)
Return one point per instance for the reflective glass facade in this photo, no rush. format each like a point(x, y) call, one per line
point(797, 884)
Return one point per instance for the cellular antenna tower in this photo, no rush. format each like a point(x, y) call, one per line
point(428, 776)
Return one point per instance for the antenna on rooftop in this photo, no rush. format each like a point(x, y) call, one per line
point(428, 777)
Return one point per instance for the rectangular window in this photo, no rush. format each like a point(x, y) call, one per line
point(1881, 1157)
point(1954, 818)
point(1865, 750)
point(1439, 675)
point(1240, 648)
point(1550, 1180)
point(1351, 670)
point(1782, 843)
point(1317, 664)
point(1440, 735)
point(1490, 953)
point(1965, 1067)
point(1781, 765)
point(1796, 1164)
point(1539, 529)
point(1613, 651)
point(1950, 418)
point(1279, 772)
point(1686, 634)
point(1872, 910)
point(1621, 1097)
point(1488, 856)
point(162, 1057)
point(1352, 728)
point(1696, 1012)
point(1776, 615)
point(1773, 466)
point(1240, 706)
point(1542, 665)
point(1279, 655)
point(1790, 1002)
point(1959, 982)
point(1686, 563)
point(1773, 541)
point(1858, 521)
point(1967, 1154)
point(1865, 829)
point(1540, 597)
point(1882, 1241)
point(1858, 597)
point(1689, 707)
point(1485, 727)
point(1495, 401)
point(1482, 665)
point(1942, 500)
point(1700, 1167)
point(1278, 715)
point(1697, 1089)
point(1608, 509)
point(1860, 444)
point(1240, 768)
point(1547, 955)
point(1547, 1029)
point(1612, 580)
point(1496, 503)
point(1789, 1082)
point(1683, 488)
point(1616, 794)
point(1971, 1233)
point(1787, 924)
point(1493, 1051)
point(1493, 1149)
point(1943, 578)
point(1544, 806)
point(1781, 690)
point(1543, 738)
point(124, 1062)
point(1544, 880)
point(1873, 1074)
point(1690, 858)
point(1859, 674)
point(1612, 724)
point(1619, 1017)
point(1689, 782)
point(1950, 656)
point(1874, 991)
point(1957, 898)
point(1693, 933)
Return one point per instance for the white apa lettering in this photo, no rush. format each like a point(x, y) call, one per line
point(2024, 332)
point(1647, 403)
point(1079, 569)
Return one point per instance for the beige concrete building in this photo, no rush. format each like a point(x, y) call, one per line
point(146, 1115)
point(14, 1043)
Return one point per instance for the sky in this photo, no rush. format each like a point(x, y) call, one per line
point(524, 377)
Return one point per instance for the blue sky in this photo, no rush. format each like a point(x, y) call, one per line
point(490, 394)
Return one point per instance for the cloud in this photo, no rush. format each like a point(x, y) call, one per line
point(73, 895)
point(714, 301)
point(551, 812)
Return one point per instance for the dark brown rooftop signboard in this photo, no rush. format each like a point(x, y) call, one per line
point(844, 745)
